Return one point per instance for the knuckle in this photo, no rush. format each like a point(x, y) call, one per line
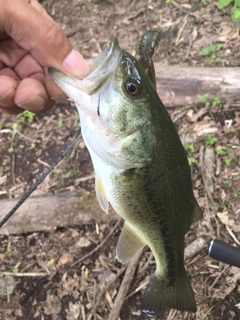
point(55, 36)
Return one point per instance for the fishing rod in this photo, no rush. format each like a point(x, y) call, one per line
point(224, 252)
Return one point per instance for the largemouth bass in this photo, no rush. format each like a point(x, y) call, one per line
point(141, 169)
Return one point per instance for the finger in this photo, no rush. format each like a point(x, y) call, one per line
point(10, 53)
point(10, 73)
point(3, 36)
point(27, 67)
point(7, 99)
point(41, 36)
point(54, 92)
point(39, 8)
point(8, 86)
point(13, 110)
point(31, 95)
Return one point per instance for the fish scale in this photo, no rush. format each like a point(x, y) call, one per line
point(141, 166)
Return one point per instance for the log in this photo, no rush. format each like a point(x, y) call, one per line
point(47, 212)
point(181, 86)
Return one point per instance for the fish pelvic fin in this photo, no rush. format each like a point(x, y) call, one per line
point(197, 213)
point(101, 194)
point(129, 244)
point(164, 294)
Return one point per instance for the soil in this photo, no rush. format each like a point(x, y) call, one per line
point(45, 279)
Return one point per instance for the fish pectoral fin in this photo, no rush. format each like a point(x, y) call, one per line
point(129, 244)
point(197, 214)
point(101, 194)
point(164, 294)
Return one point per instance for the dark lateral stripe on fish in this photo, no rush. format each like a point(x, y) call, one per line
point(167, 243)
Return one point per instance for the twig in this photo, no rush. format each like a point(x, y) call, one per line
point(83, 313)
point(204, 174)
point(135, 14)
point(108, 286)
point(142, 285)
point(146, 265)
point(97, 247)
point(208, 218)
point(122, 292)
point(43, 162)
point(179, 116)
point(178, 39)
point(25, 137)
point(83, 179)
point(171, 314)
point(25, 274)
point(232, 234)
point(217, 278)
point(13, 169)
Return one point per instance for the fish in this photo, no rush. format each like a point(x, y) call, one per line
point(141, 167)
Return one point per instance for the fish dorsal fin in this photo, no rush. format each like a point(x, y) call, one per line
point(129, 244)
point(197, 213)
point(101, 194)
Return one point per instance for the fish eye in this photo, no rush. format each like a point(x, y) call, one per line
point(133, 87)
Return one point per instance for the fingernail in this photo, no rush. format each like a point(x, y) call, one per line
point(59, 97)
point(75, 65)
point(4, 96)
point(36, 103)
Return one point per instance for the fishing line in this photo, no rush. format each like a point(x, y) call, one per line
point(35, 185)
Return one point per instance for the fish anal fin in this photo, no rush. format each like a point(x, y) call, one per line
point(129, 244)
point(101, 194)
point(162, 295)
point(197, 213)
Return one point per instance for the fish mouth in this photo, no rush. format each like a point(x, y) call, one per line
point(102, 67)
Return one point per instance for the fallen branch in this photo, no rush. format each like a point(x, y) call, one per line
point(123, 290)
point(47, 212)
point(181, 86)
point(103, 291)
point(194, 248)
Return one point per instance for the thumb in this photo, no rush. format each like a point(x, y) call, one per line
point(34, 30)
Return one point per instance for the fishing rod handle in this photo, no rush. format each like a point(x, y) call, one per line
point(224, 252)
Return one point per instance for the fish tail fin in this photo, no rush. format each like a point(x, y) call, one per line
point(164, 294)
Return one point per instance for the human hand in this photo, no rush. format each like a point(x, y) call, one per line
point(30, 41)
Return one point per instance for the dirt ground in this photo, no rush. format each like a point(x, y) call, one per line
point(41, 274)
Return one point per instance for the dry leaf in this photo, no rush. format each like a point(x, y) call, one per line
point(223, 216)
point(52, 305)
point(83, 242)
point(7, 285)
point(73, 312)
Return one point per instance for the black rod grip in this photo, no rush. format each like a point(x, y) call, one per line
point(224, 252)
